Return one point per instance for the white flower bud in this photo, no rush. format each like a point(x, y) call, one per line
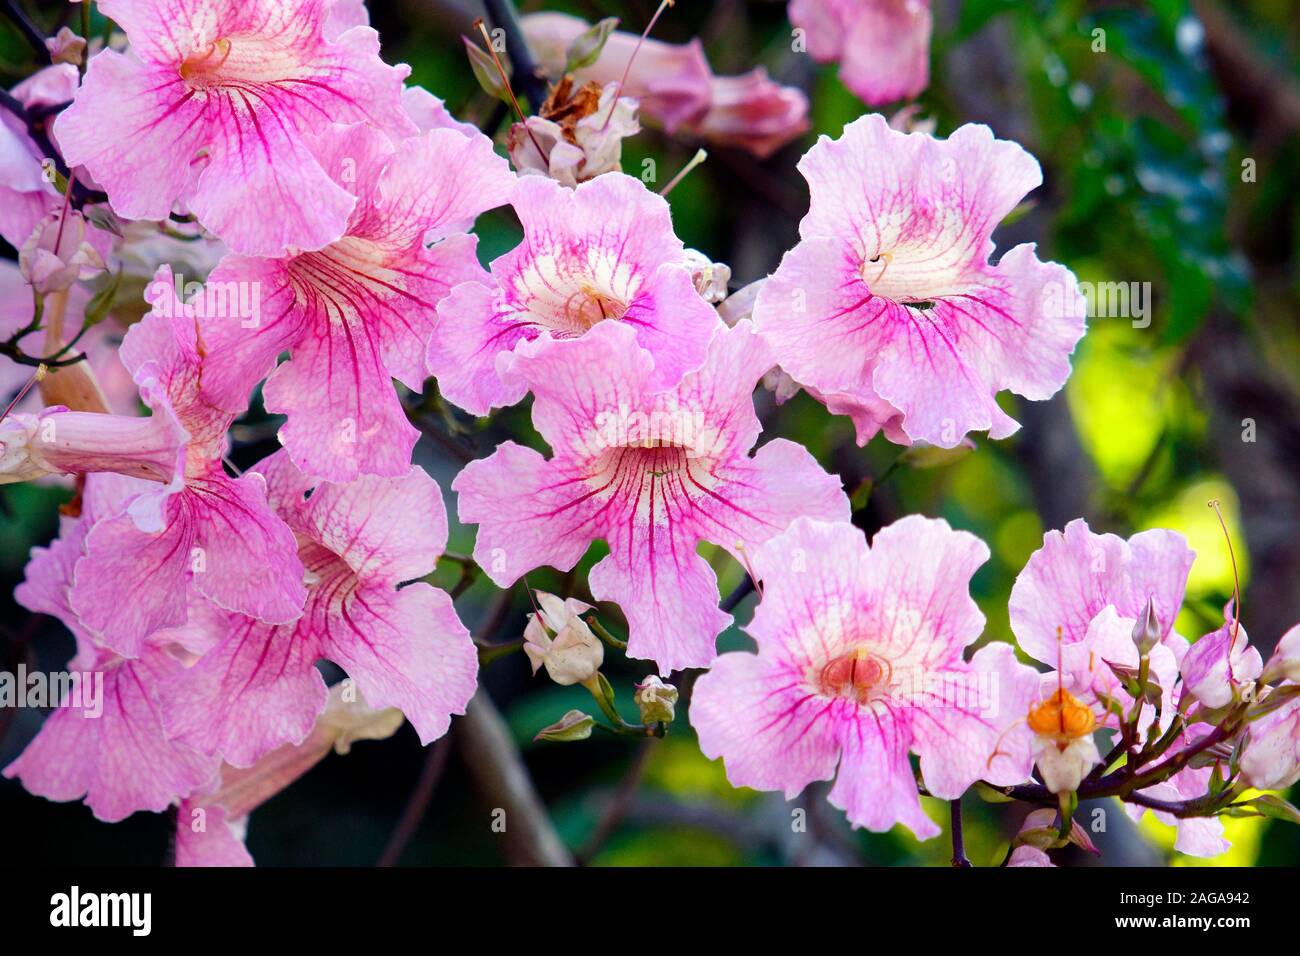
point(560, 640)
point(655, 700)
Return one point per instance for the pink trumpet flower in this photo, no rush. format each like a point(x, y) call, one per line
point(204, 527)
point(860, 661)
point(210, 106)
point(259, 689)
point(888, 309)
point(651, 471)
point(359, 312)
point(604, 251)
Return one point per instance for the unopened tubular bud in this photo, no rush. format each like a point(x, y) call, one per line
point(1146, 632)
point(655, 700)
point(1285, 662)
point(58, 442)
point(559, 640)
point(575, 725)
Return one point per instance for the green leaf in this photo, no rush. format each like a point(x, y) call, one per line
point(1270, 805)
point(98, 308)
point(922, 455)
point(991, 794)
point(575, 725)
point(485, 71)
point(1022, 210)
point(1280, 697)
point(606, 688)
point(586, 48)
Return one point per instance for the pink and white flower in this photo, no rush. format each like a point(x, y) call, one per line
point(118, 758)
point(1076, 606)
point(888, 309)
point(652, 472)
point(558, 639)
point(1077, 574)
point(211, 826)
point(1271, 760)
point(56, 441)
point(1222, 665)
point(258, 688)
point(27, 194)
point(670, 81)
point(676, 87)
point(1285, 662)
point(204, 527)
point(882, 46)
point(1078, 603)
point(357, 313)
point(1196, 836)
point(753, 112)
point(576, 136)
point(860, 661)
point(210, 106)
point(602, 252)
point(58, 253)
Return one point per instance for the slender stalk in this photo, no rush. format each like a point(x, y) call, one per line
point(33, 34)
point(741, 591)
point(22, 393)
point(699, 157)
point(618, 92)
point(504, 15)
point(418, 802)
point(619, 803)
point(958, 836)
point(603, 633)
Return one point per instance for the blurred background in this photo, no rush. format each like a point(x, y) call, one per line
point(1172, 158)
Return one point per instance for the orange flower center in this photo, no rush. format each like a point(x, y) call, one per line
point(1062, 717)
point(201, 67)
point(855, 675)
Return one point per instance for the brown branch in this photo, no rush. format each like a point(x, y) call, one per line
point(620, 802)
point(416, 805)
point(493, 760)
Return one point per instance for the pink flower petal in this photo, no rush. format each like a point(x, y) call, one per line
point(205, 837)
point(120, 760)
point(874, 785)
point(463, 350)
point(860, 653)
point(387, 530)
point(211, 105)
point(888, 307)
point(602, 251)
point(130, 583)
point(243, 557)
point(668, 594)
point(408, 649)
point(527, 511)
point(652, 472)
point(257, 689)
point(757, 715)
point(1077, 573)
